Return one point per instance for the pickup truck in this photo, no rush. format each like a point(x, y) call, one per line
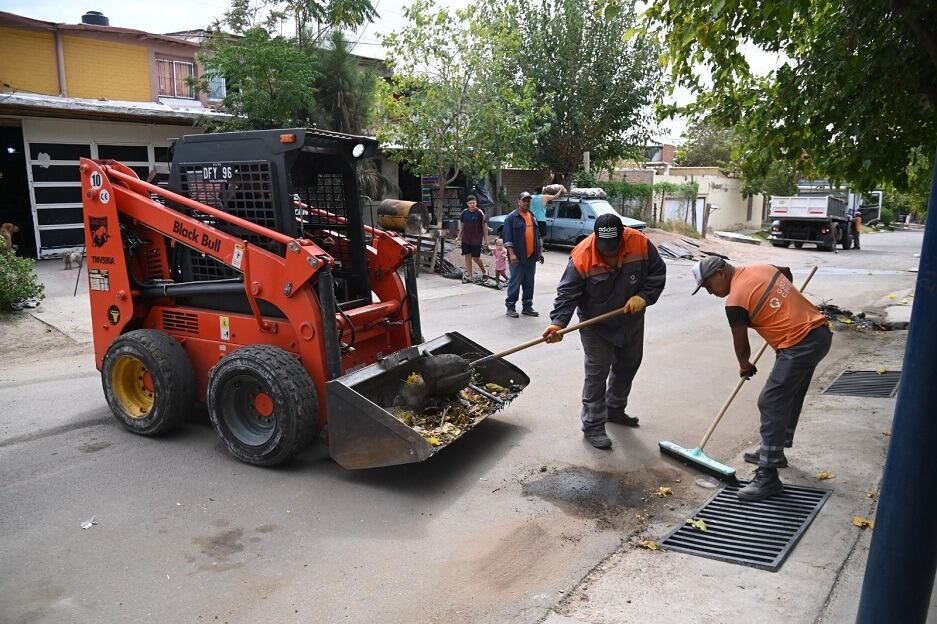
point(570, 219)
point(819, 219)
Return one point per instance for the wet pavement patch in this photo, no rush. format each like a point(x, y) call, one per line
point(583, 492)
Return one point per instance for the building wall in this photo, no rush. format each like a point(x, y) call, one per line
point(722, 193)
point(27, 60)
point(517, 180)
point(95, 68)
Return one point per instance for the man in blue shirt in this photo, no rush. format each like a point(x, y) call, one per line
point(522, 241)
point(538, 206)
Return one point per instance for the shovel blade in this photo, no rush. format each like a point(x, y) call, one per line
point(364, 434)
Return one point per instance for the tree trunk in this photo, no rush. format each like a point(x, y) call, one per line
point(440, 206)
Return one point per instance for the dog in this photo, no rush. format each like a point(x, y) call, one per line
point(72, 257)
point(7, 230)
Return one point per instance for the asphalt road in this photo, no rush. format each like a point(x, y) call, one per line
point(495, 529)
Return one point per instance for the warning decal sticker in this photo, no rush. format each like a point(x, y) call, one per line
point(225, 328)
point(99, 279)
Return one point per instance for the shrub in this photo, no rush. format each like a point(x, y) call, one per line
point(888, 215)
point(17, 281)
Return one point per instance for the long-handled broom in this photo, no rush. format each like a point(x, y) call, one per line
point(695, 456)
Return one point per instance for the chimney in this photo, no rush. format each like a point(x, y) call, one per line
point(96, 18)
point(667, 153)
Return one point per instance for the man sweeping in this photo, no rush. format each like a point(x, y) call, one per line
point(761, 296)
point(614, 268)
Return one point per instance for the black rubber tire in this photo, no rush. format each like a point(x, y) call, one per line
point(248, 435)
point(798, 245)
point(780, 244)
point(500, 231)
point(846, 240)
point(173, 380)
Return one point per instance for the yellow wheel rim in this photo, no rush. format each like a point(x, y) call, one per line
point(132, 386)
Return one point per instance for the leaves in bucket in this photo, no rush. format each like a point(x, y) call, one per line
point(697, 524)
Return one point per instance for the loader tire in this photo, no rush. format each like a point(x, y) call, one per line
point(148, 381)
point(263, 404)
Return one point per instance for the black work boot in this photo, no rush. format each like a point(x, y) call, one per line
point(529, 312)
point(754, 457)
point(619, 417)
point(512, 313)
point(764, 484)
point(597, 438)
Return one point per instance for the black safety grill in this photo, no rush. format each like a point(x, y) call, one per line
point(873, 384)
point(241, 189)
point(760, 534)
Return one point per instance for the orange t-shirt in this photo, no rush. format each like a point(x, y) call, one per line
point(529, 225)
point(774, 308)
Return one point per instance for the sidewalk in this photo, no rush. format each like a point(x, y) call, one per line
point(62, 308)
point(821, 579)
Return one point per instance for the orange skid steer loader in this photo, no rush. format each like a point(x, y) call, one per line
point(253, 286)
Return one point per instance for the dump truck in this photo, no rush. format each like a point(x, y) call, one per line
point(821, 220)
point(252, 285)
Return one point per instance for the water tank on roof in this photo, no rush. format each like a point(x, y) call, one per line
point(95, 17)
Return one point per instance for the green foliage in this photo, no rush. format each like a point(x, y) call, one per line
point(17, 280)
point(245, 15)
point(595, 87)
point(454, 105)
point(708, 145)
point(626, 191)
point(917, 191)
point(345, 90)
point(778, 178)
point(269, 80)
point(586, 179)
point(888, 216)
point(858, 89)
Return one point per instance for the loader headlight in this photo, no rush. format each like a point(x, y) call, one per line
point(357, 150)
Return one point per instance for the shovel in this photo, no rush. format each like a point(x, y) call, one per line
point(448, 373)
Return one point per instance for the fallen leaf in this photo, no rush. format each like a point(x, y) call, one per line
point(697, 524)
point(872, 494)
point(823, 475)
point(87, 524)
point(434, 441)
point(664, 491)
point(887, 434)
point(892, 296)
point(880, 371)
point(845, 321)
point(493, 387)
point(863, 523)
point(649, 544)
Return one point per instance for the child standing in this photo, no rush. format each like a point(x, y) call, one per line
point(501, 262)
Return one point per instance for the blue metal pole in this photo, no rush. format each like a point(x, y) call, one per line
point(899, 573)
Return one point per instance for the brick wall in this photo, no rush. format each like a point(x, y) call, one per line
point(27, 61)
point(638, 176)
point(517, 180)
point(667, 153)
point(95, 68)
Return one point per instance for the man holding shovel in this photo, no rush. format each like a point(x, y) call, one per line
point(614, 268)
point(761, 296)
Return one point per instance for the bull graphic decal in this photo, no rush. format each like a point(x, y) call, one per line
point(99, 233)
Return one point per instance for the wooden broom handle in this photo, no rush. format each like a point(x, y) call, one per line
point(738, 386)
point(536, 341)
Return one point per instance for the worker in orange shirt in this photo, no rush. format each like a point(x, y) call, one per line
point(762, 297)
point(857, 231)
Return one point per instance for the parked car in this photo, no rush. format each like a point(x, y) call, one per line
point(571, 219)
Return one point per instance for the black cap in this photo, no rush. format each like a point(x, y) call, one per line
point(608, 231)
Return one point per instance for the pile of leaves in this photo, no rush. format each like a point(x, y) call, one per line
point(442, 421)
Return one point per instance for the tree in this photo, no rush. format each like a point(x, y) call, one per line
point(913, 198)
point(596, 88)
point(708, 144)
point(345, 90)
point(269, 80)
point(856, 92)
point(453, 105)
point(270, 14)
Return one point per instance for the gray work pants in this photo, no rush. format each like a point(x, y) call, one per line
point(609, 371)
point(782, 398)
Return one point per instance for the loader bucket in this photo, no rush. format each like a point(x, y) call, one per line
point(363, 433)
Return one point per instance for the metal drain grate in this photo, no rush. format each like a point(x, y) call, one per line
point(865, 384)
point(759, 534)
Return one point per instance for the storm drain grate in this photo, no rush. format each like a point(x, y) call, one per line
point(882, 384)
point(759, 534)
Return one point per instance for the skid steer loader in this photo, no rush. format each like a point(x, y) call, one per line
point(253, 286)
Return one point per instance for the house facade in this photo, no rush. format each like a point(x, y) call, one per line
point(86, 90)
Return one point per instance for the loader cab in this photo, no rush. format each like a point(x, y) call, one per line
point(294, 181)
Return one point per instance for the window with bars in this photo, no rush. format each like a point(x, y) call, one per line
point(173, 78)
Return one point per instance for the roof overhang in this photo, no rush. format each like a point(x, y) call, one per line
point(36, 105)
